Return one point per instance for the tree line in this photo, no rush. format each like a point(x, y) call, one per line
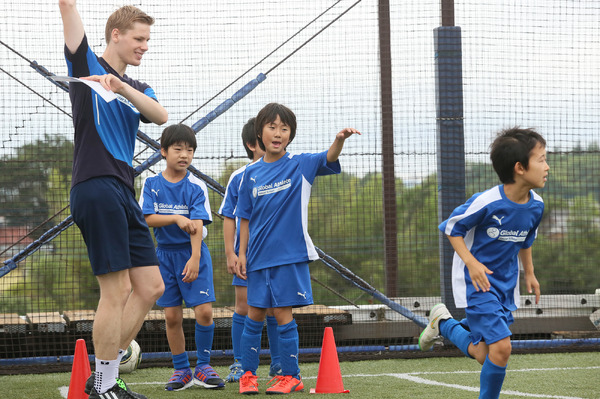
point(345, 220)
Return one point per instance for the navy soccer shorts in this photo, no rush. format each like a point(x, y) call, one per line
point(112, 225)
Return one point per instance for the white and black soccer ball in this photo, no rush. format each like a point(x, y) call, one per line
point(131, 359)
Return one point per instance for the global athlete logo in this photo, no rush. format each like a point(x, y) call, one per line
point(271, 188)
point(493, 232)
point(506, 235)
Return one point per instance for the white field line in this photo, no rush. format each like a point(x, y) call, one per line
point(419, 380)
point(414, 377)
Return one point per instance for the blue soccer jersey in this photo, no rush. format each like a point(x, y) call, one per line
point(230, 200)
point(187, 197)
point(495, 229)
point(104, 132)
point(274, 198)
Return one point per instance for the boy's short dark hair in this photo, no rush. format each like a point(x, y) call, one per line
point(268, 115)
point(249, 137)
point(178, 133)
point(511, 146)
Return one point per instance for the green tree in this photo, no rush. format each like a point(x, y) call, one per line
point(25, 177)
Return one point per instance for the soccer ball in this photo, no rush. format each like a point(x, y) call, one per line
point(131, 359)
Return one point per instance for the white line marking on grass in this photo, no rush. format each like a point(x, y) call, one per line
point(413, 378)
point(474, 389)
point(508, 370)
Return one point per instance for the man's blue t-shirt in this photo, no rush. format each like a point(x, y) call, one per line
point(187, 197)
point(274, 198)
point(104, 132)
point(495, 229)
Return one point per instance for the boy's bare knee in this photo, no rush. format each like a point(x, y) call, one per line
point(500, 352)
point(173, 322)
point(479, 352)
point(241, 308)
point(204, 314)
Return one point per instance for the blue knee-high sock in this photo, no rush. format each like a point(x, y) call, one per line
point(204, 340)
point(237, 328)
point(288, 348)
point(273, 335)
point(181, 361)
point(490, 380)
point(250, 344)
point(456, 333)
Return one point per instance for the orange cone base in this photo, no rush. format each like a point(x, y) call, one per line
point(329, 379)
point(314, 390)
point(80, 372)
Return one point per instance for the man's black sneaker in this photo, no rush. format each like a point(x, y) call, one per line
point(118, 391)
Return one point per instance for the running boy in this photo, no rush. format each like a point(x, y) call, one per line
point(102, 199)
point(175, 203)
point(275, 247)
point(491, 233)
point(231, 235)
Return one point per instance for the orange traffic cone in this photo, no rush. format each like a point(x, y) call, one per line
point(329, 379)
point(80, 372)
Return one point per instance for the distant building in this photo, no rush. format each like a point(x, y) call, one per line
point(13, 239)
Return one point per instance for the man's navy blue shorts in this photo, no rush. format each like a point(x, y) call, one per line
point(112, 225)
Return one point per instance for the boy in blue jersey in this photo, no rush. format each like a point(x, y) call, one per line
point(231, 234)
point(175, 203)
point(102, 197)
point(492, 233)
point(275, 247)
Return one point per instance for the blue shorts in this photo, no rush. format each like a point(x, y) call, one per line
point(280, 286)
point(172, 262)
point(488, 322)
point(112, 225)
point(239, 282)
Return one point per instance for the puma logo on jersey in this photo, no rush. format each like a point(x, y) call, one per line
point(205, 292)
point(253, 179)
point(254, 349)
point(303, 295)
point(499, 220)
point(155, 191)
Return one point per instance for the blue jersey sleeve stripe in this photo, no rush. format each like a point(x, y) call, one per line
point(466, 216)
point(201, 206)
point(149, 91)
point(230, 198)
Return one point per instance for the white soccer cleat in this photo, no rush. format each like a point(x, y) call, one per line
point(431, 333)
